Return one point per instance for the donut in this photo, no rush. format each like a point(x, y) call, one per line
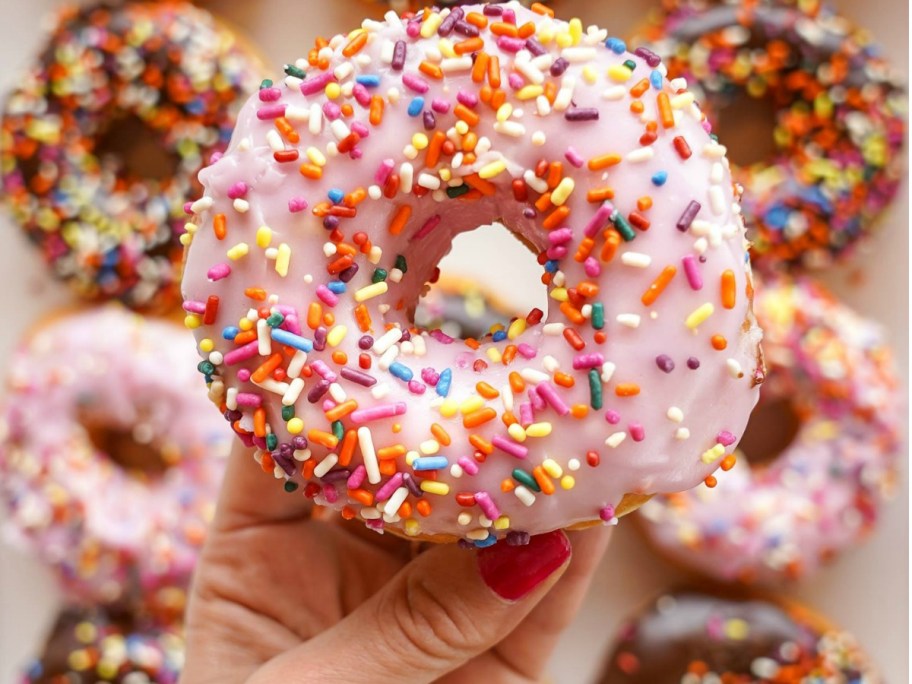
point(462, 309)
point(359, 168)
point(838, 116)
point(692, 636)
point(91, 645)
point(402, 6)
point(103, 137)
point(820, 453)
point(110, 456)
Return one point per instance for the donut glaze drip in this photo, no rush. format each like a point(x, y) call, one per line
point(356, 172)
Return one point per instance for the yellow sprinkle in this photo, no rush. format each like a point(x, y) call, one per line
point(737, 629)
point(539, 430)
point(473, 403)
point(432, 487)
point(282, 259)
point(246, 324)
point(545, 34)
point(493, 169)
point(411, 527)
point(505, 111)
point(315, 156)
point(431, 24)
point(371, 291)
point(516, 432)
point(516, 328)
point(563, 191)
point(410, 457)
point(333, 90)
point(619, 73)
point(529, 92)
point(446, 48)
point(576, 30)
point(186, 239)
point(699, 315)
point(238, 251)
point(295, 426)
point(79, 660)
point(564, 39)
point(336, 335)
point(559, 294)
point(449, 408)
point(192, 321)
point(493, 353)
point(567, 482)
point(713, 454)
point(419, 141)
point(502, 523)
point(590, 75)
point(552, 468)
point(206, 345)
point(263, 237)
point(445, 175)
point(461, 127)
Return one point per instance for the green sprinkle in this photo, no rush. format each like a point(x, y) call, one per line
point(379, 275)
point(525, 479)
point(292, 70)
point(598, 315)
point(630, 64)
point(206, 367)
point(457, 191)
point(265, 83)
point(401, 263)
point(338, 429)
point(272, 442)
point(288, 412)
point(275, 320)
point(290, 486)
point(623, 227)
point(595, 389)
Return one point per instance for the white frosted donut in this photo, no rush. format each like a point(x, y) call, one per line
point(113, 523)
point(343, 187)
point(822, 448)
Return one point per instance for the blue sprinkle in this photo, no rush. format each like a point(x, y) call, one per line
point(430, 463)
point(500, 335)
point(401, 371)
point(490, 540)
point(336, 286)
point(443, 384)
point(616, 45)
point(655, 79)
point(336, 195)
point(368, 80)
point(291, 340)
point(659, 178)
point(230, 332)
point(776, 216)
point(416, 106)
point(551, 266)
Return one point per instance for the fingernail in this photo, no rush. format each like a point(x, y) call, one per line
point(514, 571)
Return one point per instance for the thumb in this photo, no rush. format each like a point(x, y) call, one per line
point(440, 611)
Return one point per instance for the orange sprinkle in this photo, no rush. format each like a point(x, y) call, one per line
point(600, 194)
point(466, 114)
point(666, 116)
point(483, 186)
point(341, 410)
point(527, 29)
point(502, 28)
point(544, 10)
point(286, 129)
point(509, 354)
point(480, 443)
point(433, 150)
point(517, 384)
point(339, 358)
point(362, 496)
point(543, 203)
point(485, 390)
point(265, 370)
point(220, 226)
point(424, 507)
point(564, 380)
point(604, 161)
point(394, 451)
point(572, 313)
point(348, 513)
point(440, 434)
point(388, 467)
point(710, 481)
point(587, 289)
point(555, 173)
point(507, 486)
point(584, 250)
point(479, 417)
point(348, 448)
point(627, 389)
point(641, 87)
point(637, 107)
point(728, 462)
point(718, 342)
point(266, 463)
point(401, 217)
point(550, 91)
point(307, 468)
point(314, 315)
point(362, 317)
point(508, 418)
point(245, 337)
point(658, 285)
point(480, 68)
point(644, 203)
point(255, 293)
point(494, 71)
point(556, 218)
point(405, 510)
point(355, 44)
point(472, 343)
point(322, 438)
point(431, 70)
point(311, 171)
point(464, 47)
point(728, 289)
point(579, 411)
point(259, 422)
point(376, 110)
point(541, 477)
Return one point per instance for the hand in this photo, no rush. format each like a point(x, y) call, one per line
point(280, 596)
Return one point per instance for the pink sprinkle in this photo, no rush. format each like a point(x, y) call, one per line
point(387, 488)
point(468, 465)
point(271, 112)
point(526, 351)
point(188, 207)
point(509, 16)
point(560, 236)
point(556, 252)
point(416, 83)
point(243, 353)
point(375, 524)
point(379, 412)
point(428, 226)
point(509, 446)
point(548, 392)
point(327, 296)
point(324, 371)
point(440, 105)
point(487, 505)
point(416, 387)
point(725, 438)
point(314, 85)
point(249, 399)
point(516, 81)
point(356, 153)
point(218, 272)
point(441, 337)
point(291, 324)
point(573, 157)
point(430, 376)
point(384, 170)
point(247, 440)
point(538, 404)
point(296, 204)
point(331, 111)
point(598, 220)
point(237, 190)
point(592, 267)
point(359, 92)
point(243, 374)
point(194, 307)
point(330, 493)
point(413, 29)
point(526, 417)
point(328, 404)
point(260, 442)
point(468, 99)
point(612, 416)
point(607, 513)
point(692, 271)
point(637, 432)
point(586, 361)
point(357, 477)
point(215, 156)
point(362, 130)
point(508, 44)
point(270, 94)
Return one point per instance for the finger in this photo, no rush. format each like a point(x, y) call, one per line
point(528, 648)
point(443, 609)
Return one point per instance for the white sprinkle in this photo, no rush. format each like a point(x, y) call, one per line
point(734, 369)
point(293, 392)
point(264, 340)
point(608, 369)
point(392, 504)
point(369, 455)
point(553, 329)
point(614, 440)
point(636, 259)
point(231, 398)
point(274, 140)
point(578, 55)
point(682, 434)
point(453, 64)
point(717, 200)
point(675, 415)
point(337, 392)
point(202, 204)
point(630, 320)
point(614, 93)
point(513, 129)
point(406, 177)
point(524, 495)
point(315, 120)
point(640, 154)
point(534, 376)
point(426, 180)
point(326, 465)
point(296, 365)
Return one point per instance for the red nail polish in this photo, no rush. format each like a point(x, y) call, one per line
point(513, 571)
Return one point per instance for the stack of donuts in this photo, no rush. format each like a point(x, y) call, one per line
point(110, 458)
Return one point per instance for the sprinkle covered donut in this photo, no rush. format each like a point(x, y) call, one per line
point(839, 116)
point(690, 636)
point(822, 448)
point(93, 645)
point(153, 77)
point(110, 457)
point(358, 168)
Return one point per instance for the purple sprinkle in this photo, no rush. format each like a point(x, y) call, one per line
point(651, 58)
point(399, 55)
point(516, 538)
point(349, 273)
point(466, 29)
point(299, 442)
point(412, 484)
point(429, 120)
point(582, 114)
point(665, 363)
point(358, 377)
point(559, 66)
point(337, 475)
point(690, 213)
point(320, 338)
point(536, 48)
point(693, 363)
point(447, 25)
point(365, 342)
point(317, 391)
point(493, 10)
point(285, 463)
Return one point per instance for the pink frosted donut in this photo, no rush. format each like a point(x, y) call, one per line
point(110, 456)
point(343, 187)
point(822, 448)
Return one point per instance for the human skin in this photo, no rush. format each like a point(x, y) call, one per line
point(283, 595)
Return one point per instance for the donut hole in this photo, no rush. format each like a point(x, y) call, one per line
point(773, 426)
point(490, 275)
point(133, 450)
point(137, 149)
point(746, 126)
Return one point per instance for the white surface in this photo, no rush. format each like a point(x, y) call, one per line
point(865, 590)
